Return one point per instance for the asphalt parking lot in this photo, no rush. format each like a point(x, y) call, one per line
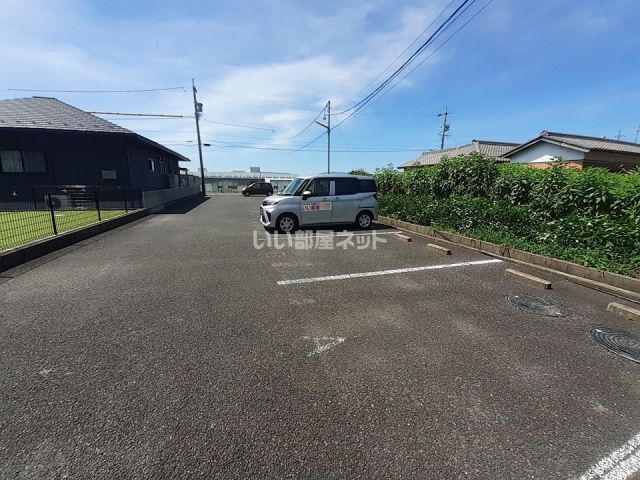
point(185, 346)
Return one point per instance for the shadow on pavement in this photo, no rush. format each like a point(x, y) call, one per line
point(347, 228)
point(184, 206)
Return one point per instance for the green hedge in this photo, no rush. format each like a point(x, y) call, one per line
point(589, 216)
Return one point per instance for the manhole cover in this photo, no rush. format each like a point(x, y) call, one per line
point(625, 344)
point(535, 305)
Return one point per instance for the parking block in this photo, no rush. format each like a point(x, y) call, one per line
point(526, 278)
point(439, 248)
point(402, 237)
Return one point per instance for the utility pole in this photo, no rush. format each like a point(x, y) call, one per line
point(637, 133)
point(327, 117)
point(619, 136)
point(197, 109)
point(445, 127)
point(328, 136)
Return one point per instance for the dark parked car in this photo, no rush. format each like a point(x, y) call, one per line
point(258, 188)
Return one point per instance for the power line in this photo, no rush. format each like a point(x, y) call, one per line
point(153, 116)
point(407, 62)
point(285, 149)
point(307, 127)
point(260, 128)
point(435, 50)
point(95, 91)
point(372, 96)
point(419, 64)
point(311, 142)
point(426, 58)
point(257, 141)
point(159, 115)
point(239, 126)
point(458, 13)
point(399, 55)
point(348, 149)
point(290, 148)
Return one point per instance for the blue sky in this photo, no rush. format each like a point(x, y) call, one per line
point(520, 67)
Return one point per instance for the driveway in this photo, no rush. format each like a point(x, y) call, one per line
point(191, 345)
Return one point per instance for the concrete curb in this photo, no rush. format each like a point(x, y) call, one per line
point(612, 283)
point(17, 256)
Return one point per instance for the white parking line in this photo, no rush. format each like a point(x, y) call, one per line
point(619, 464)
point(386, 272)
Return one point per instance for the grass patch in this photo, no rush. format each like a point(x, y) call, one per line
point(20, 228)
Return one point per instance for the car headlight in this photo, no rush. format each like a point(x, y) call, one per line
point(268, 203)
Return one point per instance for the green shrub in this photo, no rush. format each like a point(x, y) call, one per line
point(588, 216)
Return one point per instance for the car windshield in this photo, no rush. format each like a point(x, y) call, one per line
point(292, 187)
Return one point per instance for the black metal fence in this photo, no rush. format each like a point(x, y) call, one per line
point(33, 212)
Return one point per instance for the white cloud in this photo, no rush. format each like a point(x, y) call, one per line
point(299, 56)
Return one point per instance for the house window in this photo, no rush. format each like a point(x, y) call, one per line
point(152, 165)
point(15, 161)
point(11, 161)
point(34, 162)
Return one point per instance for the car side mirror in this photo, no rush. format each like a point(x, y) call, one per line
point(306, 194)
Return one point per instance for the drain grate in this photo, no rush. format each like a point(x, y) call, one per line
point(621, 343)
point(535, 305)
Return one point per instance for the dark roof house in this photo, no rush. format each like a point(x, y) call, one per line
point(484, 147)
point(577, 150)
point(44, 141)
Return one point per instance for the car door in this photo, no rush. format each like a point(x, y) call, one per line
point(316, 208)
point(345, 201)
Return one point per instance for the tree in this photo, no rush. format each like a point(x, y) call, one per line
point(359, 171)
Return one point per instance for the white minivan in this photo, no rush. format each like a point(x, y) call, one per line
point(322, 200)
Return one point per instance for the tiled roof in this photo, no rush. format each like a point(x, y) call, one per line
point(52, 114)
point(582, 142)
point(593, 143)
point(491, 149)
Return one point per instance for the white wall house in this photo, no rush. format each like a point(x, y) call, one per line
point(547, 152)
point(576, 150)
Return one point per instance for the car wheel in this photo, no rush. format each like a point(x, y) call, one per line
point(269, 193)
point(246, 194)
point(287, 223)
point(364, 220)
